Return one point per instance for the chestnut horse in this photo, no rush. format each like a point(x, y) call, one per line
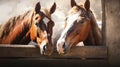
point(80, 26)
point(34, 25)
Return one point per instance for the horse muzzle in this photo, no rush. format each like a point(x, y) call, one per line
point(60, 49)
point(63, 48)
point(43, 48)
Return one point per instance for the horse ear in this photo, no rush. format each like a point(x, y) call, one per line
point(37, 7)
point(73, 3)
point(87, 5)
point(52, 9)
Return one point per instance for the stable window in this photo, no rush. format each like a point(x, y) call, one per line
point(81, 52)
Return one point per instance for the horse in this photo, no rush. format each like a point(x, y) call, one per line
point(34, 25)
point(80, 26)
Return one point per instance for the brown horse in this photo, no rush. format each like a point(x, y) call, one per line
point(35, 25)
point(80, 25)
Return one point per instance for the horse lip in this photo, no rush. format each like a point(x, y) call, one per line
point(43, 48)
point(63, 47)
point(60, 49)
point(42, 51)
point(67, 47)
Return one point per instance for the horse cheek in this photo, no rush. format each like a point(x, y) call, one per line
point(33, 32)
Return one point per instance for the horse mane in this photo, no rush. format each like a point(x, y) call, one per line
point(18, 23)
point(94, 37)
point(6, 27)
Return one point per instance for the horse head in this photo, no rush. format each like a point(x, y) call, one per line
point(41, 28)
point(77, 26)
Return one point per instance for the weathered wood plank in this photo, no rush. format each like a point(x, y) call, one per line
point(33, 51)
point(53, 62)
point(87, 52)
point(19, 51)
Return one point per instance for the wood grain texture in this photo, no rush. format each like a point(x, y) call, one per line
point(32, 62)
point(34, 51)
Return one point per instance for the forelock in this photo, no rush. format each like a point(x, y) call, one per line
point(46, 12)
point(75, 9)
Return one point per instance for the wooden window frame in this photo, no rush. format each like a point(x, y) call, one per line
point(84, 55)
point(85, 52)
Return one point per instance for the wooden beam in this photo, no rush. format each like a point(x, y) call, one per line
point(19, 51)
point(83, 52)
point(33, 51)
point(52, 62)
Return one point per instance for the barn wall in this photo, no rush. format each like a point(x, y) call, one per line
point(112, 15)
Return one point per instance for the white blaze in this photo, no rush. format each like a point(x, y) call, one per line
point(70, 20)
point(45, 20)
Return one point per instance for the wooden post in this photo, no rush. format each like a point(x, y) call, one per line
point(112, 10)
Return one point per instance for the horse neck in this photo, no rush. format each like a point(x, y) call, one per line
point(94, 36)
point(18, 27)
point(26, 27)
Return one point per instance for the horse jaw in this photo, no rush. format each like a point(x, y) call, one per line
point(60, 50)
point(63, 47)
point(41, 45)
point(42, 51)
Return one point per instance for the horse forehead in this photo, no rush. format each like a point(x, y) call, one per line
point(47, 16)
point(73, 10)
point(46, 12)
point(46, 21)
point(70, 21)
point(72, 17)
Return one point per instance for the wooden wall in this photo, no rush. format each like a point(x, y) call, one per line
point(112, 15)
point(85, 56)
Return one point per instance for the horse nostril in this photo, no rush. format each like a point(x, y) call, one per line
point(37, 24)
point(44, 47)
point(63, 45)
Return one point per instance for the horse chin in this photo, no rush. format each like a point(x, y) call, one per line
point(43, 48)
point(60, 49)
point(49, 51)
point(42, 51)
point(67, 47)
point(63, 48)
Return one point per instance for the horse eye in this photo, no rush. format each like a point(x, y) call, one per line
point(36, 18)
